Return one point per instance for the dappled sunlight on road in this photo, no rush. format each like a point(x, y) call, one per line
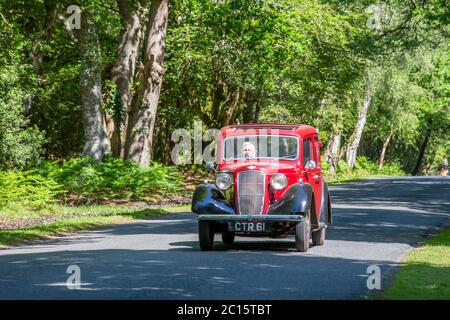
point(160, 258)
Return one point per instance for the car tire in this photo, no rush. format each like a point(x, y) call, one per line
point(228, 237)
point(205, 235)
point(318, 237)
point(302, 231)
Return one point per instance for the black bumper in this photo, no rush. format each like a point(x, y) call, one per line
point(209, 203)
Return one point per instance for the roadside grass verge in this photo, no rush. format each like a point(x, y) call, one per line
point(61, 220)
point(426, 273)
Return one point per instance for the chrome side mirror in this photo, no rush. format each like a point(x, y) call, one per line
point(210, 167)
point(310, 164)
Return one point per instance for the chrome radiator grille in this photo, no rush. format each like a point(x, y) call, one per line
point(251, 187)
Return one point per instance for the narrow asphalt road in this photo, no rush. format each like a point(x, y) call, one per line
point(376, 221)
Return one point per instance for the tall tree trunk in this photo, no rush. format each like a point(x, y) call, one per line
point(423, 147)
point(332, 152)
point(124, 70)
point(141, 118)
point(250, 109)
point(353, 144)
point(227, 106)
point(383, 149)
point(257, 110)
point(113, 132)
point(248, 113)
point(96, 138)
point(231, 108)
point(320, 111)
point(37, 53)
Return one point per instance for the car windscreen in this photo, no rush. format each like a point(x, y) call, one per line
point(273, 147)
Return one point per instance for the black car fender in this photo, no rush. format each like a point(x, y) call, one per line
point(208, 199)
point(325, 208)
point(295, 200)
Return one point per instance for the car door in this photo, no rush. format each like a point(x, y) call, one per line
point(312, 169)
point(318, 179)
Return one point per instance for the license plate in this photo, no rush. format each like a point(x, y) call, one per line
point(247, 226)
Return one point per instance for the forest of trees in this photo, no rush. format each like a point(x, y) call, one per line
point(373, 77)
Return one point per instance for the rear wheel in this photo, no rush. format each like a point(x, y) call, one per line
point(302, 231)
point(205, 235)
point(227, 237)
point(318, 237)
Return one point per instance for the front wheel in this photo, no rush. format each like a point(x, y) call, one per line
point(205, 235)
point(302, 231)
point(318, 237)
point(228, 237)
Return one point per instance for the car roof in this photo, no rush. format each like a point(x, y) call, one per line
point(299, 129)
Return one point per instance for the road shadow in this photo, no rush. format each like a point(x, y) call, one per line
point(177, 274)
point(428, 194)
point(382, 213)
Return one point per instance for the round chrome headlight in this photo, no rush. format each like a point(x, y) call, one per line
point(223, 181)
point(278, 181)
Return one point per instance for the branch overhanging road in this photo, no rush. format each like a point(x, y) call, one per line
point(376, 221)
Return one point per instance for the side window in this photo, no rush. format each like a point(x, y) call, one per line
point(317, 150)
point(306, 151)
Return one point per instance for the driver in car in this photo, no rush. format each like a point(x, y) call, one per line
point(249, 150)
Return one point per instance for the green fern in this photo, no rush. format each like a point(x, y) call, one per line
point(27, 188)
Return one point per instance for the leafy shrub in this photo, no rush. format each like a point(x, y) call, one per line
point(343, 168)
point(113, 178)
point(27, 188)
point(20, 144)
point(365, 165)
point(392, 169)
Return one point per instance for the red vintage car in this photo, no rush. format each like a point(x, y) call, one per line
point(268, 183)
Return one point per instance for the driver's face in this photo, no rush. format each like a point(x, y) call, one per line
point(249, 151)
